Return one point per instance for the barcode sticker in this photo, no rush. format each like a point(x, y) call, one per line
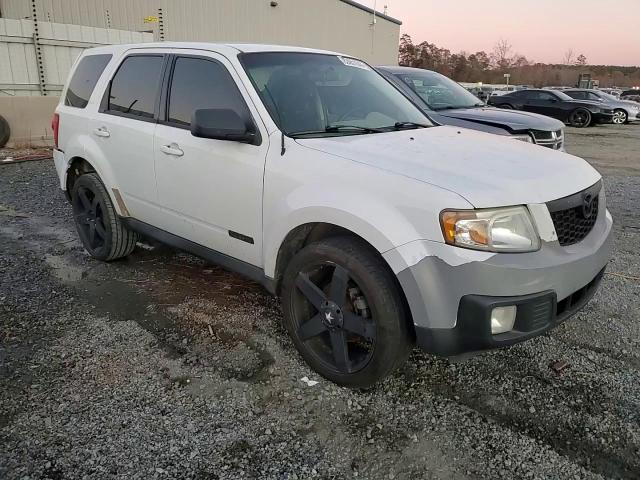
point(352, 62)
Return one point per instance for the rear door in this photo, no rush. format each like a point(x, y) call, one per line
point(123, 127)
point(210, 190)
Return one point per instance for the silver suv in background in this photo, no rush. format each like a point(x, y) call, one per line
point(448, 103)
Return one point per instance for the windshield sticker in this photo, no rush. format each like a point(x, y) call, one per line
point(352, 62)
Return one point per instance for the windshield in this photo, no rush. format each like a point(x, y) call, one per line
point(438, 91)
point(326, 95)
point(607, 96)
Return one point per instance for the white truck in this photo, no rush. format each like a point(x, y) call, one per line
point(310, 173)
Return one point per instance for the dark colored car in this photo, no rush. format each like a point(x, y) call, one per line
point(448, 103)
point(624, 111)
point(553, 103)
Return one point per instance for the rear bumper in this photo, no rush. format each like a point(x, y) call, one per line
point(536, 314)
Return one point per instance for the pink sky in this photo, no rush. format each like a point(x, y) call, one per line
point(606, 32)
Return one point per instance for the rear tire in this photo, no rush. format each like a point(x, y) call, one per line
point(580, 118)
point(5, 131)
point(344, 312)
point(100, 229)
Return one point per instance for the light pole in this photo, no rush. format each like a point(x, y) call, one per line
point(507, 76)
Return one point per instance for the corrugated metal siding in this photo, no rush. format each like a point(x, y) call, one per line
point(61, 44)
point(328, 24)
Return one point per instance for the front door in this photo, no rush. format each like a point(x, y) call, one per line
point(544, 103)
point(209, 191)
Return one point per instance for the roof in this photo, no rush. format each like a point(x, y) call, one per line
point(400, 69)
point(372, 11)
point(211, 46)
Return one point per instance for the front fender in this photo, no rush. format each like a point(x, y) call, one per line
point(379, 224)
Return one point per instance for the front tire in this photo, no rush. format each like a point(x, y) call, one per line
point(344, 311)
point(100, 229)
point(580, 118)
point(620, 117)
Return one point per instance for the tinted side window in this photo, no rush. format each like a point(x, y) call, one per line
point(197, 84)
point(84, 79)
point(576, 95)
point(593, 96)
point(134, 87)
point(546, 96)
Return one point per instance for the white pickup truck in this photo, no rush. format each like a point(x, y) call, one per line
point(310, 173)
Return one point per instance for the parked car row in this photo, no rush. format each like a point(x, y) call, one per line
point(624, 111)
point(576, 107)
point(310, 173)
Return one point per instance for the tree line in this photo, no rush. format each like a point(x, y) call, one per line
point(490, 67)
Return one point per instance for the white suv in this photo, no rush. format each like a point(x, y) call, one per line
point(310, 173)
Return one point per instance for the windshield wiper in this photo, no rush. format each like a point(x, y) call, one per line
point(456, 107)
point(337, 129)
point(405, 125)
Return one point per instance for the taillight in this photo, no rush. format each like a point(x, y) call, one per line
point(55, 125)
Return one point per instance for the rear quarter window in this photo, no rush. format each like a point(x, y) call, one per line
point(84, 80)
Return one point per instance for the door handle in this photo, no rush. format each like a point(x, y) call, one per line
point(102, 132)
point(172, 149)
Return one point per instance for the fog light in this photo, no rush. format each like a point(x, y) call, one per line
point(502, 319)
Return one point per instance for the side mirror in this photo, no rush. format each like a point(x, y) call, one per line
point(220, 124)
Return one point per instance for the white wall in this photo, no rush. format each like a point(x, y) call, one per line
point(60, 45)
point(327, 24)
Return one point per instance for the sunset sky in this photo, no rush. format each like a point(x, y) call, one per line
point(606, 32)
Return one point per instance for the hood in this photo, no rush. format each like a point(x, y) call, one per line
point(514, 120)
point(487, 170)
point(625, 103)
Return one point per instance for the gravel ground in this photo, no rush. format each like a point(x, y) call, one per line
point(162, 366)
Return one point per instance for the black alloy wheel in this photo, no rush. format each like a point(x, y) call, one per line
point(90, 219)
point(341, 336)
point(580, 118)
point(343, 310)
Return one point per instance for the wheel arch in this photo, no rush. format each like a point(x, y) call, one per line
point(79, 165)
point(307, 233)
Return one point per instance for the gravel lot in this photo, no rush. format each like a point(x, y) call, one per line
point(162, 366)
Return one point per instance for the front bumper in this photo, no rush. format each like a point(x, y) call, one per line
point(536, 314)
point(451, 290)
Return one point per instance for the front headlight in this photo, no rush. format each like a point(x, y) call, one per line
point(524, 137)
point(507, 229)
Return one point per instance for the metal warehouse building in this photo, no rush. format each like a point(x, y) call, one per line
point(339, 25)
point(40, 39)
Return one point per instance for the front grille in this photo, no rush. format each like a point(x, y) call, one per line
point(574, 216)
point(549, 139)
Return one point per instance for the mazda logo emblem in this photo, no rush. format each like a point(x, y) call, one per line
point(587, 205)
